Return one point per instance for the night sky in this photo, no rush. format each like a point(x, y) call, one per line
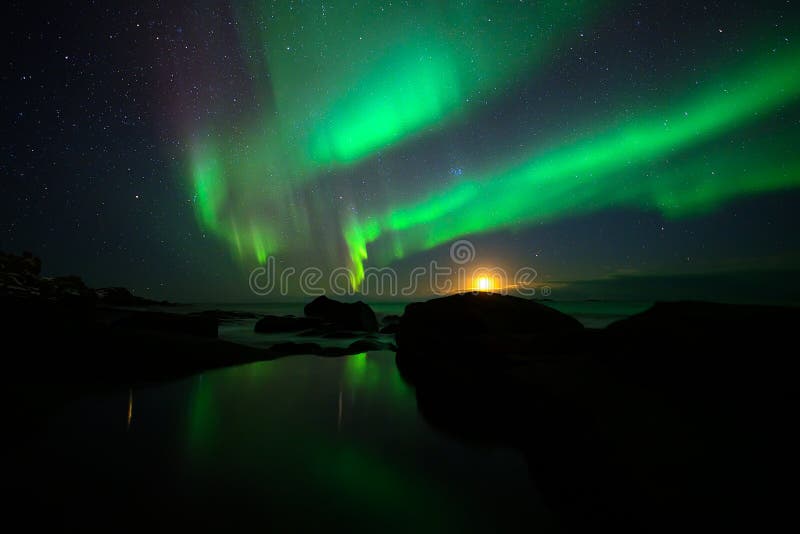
point(622, 149)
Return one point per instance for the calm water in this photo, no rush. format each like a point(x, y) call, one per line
point(301, 442)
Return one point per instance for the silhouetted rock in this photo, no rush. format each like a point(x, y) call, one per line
point(170, 322)
point(691, 318)
point(391, 323)
point(631, 428)
point(390, 319)
point(346, 316)
point(68, 285)
point(27, 264)
point(120, 296)
point(482, 324)
point(20, 277)
point(285, 323)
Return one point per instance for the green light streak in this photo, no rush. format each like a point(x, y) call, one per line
point(601, 170)
point(208, 186)
point(384, 73)
point(336, 83)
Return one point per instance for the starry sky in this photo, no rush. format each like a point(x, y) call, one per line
point(632, 150)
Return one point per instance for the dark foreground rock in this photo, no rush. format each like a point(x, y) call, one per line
point(87, 347)
point(391, 323)
point(343, 315)
point(674, 417)
point(481, 325)
point(63, 338)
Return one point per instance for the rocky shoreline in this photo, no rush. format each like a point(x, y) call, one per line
point(670, 417)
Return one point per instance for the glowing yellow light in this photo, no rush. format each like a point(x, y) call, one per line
point(484, 283)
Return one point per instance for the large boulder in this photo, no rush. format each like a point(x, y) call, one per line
point(345, 316)
point(480, 324)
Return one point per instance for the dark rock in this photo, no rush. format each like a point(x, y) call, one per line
point(69, 285)
point(170, 322)
point(285, 323)
point(345, 316)
point(120, 296)
point(484, 324)
point(391, 323)
point(707, 319)
point(27, 264)
point(390, 319)
point(635, 428)
point(20, 277)
point(390, 328)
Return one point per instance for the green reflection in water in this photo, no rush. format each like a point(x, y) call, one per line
point(244, 424)
point(203, 417)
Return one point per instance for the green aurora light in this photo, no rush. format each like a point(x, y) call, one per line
point(380, 76)
point(338, 88)
point(606, 169)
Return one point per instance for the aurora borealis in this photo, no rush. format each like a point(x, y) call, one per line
point(184, 145)
point(399, 265)
point(416, 74)
point(381, 79)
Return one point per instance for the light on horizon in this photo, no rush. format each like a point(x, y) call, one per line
point(484, 283)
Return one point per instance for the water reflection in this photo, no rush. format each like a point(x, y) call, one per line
point(130, 409)
point(302, 442)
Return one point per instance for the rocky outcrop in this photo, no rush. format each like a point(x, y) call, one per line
point(326, 319)
point(677, 320)
point(482, 325)
point(391, 323)
point(342, 315)
point(631, 428)
point(20, 277)
point(120, 296)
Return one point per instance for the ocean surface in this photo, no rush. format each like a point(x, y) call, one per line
point(298, 443)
